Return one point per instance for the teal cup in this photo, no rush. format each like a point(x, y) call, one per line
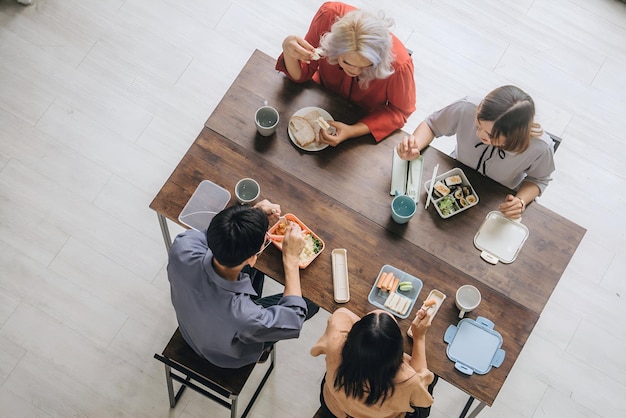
point(402, 208)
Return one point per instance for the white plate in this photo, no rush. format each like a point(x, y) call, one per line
point(301, 113)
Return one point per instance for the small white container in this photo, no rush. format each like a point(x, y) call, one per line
point(464, 182)
point(500, 238)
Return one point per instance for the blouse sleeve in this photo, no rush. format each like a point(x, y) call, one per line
point(540, 170)
point(338, 326)
point(401, 97)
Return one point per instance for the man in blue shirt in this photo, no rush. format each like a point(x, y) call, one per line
point(212, 291)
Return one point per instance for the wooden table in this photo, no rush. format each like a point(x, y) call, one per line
point(343, 195)
point(358, 172)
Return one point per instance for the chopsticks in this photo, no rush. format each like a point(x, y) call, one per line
point(432, 185)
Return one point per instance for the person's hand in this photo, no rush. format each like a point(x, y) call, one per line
point(421, 323)
point(407, 149)
point(297, 48)
point(512, 207)
point(342, 133)
point(272, 210)
point(536, 130)
point(293, 243)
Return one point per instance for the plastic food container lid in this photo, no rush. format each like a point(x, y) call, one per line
point(500, 238)
point(474, 346)
point(205, 202)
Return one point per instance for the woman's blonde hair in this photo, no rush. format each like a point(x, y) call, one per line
point(365, 34)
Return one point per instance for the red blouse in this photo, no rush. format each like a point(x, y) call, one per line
point(389, 101)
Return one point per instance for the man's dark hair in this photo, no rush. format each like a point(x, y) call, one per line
point(236, 234)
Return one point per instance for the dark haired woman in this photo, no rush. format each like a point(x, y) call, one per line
point(367, 372)
point(498, 137)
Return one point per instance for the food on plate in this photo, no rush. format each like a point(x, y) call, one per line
point(312, 246)
point(430, 302)
point(302, 131)
point(453, 180)
point(323, 124)
point(397, 303)
point(441, 189)
point(405, 286)
point(387, 282)
point(447, 205)
point(306, 129)
point(382, 281)
point(471, 199)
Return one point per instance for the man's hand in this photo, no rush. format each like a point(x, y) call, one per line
point(272, 210)
point(293, 243)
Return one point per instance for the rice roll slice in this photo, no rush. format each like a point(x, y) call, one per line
point(441, 188)
point(453, 180)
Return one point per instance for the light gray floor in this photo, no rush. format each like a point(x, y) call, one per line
point(99, 99)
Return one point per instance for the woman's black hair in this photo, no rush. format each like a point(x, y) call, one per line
point(236, 234)
point(371, 358)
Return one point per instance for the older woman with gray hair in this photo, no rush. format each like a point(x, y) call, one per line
point(352, 53)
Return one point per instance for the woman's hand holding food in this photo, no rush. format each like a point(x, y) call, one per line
point(272, 210)
point(343, 132)
point(420, 324)
point(408, 149)
point(297, 48)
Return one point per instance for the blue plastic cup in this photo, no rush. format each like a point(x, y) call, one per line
point(402, 209)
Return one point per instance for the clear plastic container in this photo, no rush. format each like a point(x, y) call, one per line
point(206, 201)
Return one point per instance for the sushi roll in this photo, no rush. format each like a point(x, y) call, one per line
point(441, 188)
point(453, 181)
point(463, 202)
point(471, 199)
point(458, 194)
point(467, 190)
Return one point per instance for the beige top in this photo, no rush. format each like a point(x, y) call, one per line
point(411, 387)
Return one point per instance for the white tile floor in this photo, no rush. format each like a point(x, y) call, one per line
point(99, 99)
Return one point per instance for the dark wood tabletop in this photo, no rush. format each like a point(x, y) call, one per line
point(369, 246)
point(358, 174)
point(343, 195)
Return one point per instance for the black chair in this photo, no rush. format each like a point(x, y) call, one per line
point(221, 385)
point(555, 140)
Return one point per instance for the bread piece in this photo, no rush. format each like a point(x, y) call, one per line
point(313, 117)
point(302, 131)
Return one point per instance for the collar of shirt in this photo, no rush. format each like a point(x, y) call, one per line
point(243, 284)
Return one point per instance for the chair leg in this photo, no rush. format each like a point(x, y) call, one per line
point(233, 407)
point(467, 407)
point(170, 386)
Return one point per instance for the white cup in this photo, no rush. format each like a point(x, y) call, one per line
point(467, 299)
point(247, 190)
point(266, 118)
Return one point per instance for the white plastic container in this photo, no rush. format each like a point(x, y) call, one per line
point(464, 182)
